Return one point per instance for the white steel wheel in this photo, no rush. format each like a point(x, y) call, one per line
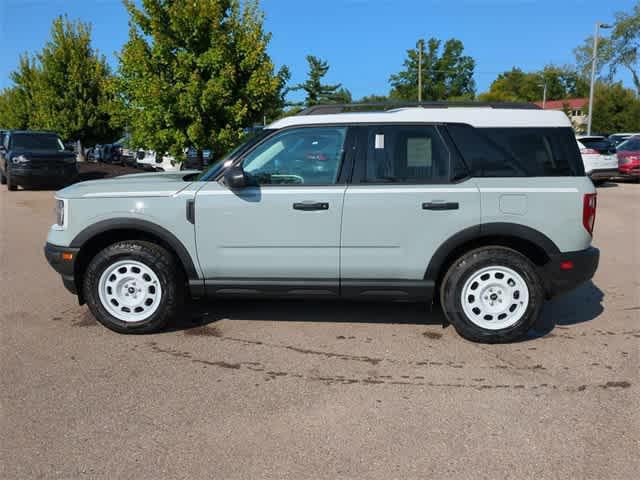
point(130, 291)
point(495, 297)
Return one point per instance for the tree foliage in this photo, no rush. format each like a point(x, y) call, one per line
point(616, 109)
point(621, 50)
point(519, 86)
point(196, 73)
point(446, 72)
point(317, 92)
point(62, 88)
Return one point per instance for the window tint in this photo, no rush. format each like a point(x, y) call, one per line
point(298, 156)
point(31, 141)
point(600, 145)
point(518, 152)
point(405, 153)
point(631, 145)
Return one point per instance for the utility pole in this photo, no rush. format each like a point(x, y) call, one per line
point(544, 94)
point(594, 60)
point(420, 43)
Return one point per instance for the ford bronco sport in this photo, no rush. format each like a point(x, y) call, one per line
point(485, 209)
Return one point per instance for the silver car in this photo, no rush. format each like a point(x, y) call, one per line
point(485, 210)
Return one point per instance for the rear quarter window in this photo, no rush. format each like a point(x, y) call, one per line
point(518, 152)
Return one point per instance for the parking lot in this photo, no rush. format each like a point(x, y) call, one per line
point(270, 389)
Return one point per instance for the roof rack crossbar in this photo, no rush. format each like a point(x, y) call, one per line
point(342, 107)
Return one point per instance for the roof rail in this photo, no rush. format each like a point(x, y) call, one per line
point(382, 106)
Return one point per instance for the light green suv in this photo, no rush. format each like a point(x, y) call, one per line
point(485, 209)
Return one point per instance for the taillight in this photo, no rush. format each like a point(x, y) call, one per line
point(589, 212)
point(589, 151)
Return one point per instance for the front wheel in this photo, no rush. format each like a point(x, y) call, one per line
point(11, 186)
point(492, 295)
point(133, 287)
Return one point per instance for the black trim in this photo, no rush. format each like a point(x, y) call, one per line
point(66, 268)
point(366, 289)
point(383, 106)
point(416, 290)
point(440, 206)
point(271, 287)
point(558, 281)
point(144, 226)
point(476, 232)
point(191, 211)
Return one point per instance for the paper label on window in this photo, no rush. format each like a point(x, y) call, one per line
point(419, 152)
point(379, 141)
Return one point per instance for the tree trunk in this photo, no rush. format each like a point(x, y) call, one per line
point(80, 157)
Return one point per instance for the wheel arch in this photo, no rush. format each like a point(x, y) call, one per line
point(96, 237)
point(531, 243)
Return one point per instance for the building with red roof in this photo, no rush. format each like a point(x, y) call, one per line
point(576, 109)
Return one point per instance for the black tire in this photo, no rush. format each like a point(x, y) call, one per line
point(160, 261)
point(12, 187)
point(464, 267)
point(3, 179)
point(598, 183)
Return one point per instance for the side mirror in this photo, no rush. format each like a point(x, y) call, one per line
point(235, 177)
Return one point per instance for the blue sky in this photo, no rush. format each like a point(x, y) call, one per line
point(363, 40)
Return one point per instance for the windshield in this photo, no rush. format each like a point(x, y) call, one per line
point(39, 141)
point(631, 145)
point(249, 141)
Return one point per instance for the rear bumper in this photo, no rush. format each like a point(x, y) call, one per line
point(603, 173)
point(559, 280)
point(65, 267)
point(632, 171)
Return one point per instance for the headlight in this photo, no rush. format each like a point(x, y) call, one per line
point(20, 159)
point(61, 213)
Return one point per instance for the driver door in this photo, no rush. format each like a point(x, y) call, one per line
point(283, 231)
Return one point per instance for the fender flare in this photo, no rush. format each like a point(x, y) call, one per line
point(143, 226)
point(477, 232)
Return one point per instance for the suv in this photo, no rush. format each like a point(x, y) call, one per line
point(35, 159)
point(485, 209)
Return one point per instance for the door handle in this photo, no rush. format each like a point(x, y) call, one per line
point(440, 206)
point(308, 206)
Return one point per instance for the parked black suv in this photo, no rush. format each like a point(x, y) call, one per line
point(35, 159)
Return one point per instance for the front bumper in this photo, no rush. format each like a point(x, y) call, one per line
point(64, 265)
point(558, 280)
point(43, 178)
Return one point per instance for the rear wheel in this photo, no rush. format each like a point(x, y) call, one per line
point(133, 287)
point(492, 295)
point(3, 179)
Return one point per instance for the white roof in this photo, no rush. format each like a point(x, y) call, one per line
point(475, 116)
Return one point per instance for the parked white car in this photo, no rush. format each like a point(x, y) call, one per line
point(599, 158)
point(149, 158)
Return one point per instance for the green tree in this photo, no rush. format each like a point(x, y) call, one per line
point(70, 94)
point(616, 108)
point(519, 86)
point(446, 72)
point(317, 92)
point(16, 102)
point(196, 73)
point(620, 50)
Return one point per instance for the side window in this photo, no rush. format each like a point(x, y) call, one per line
point(309, 156)
point(405, 153)
point(517, 152)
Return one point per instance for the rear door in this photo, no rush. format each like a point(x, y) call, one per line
point(407, 198)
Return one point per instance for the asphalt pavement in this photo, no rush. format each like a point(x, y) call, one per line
point(249, 389)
